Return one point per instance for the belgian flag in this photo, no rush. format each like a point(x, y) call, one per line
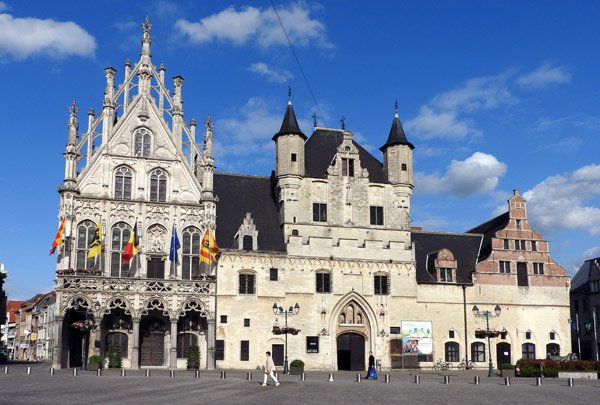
point(96, 245)
point(133, 246)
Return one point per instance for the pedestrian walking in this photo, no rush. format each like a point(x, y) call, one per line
point(371, 369)
point(269, 368)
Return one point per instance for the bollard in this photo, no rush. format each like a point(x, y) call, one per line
point(387, 378)
point(358, 377)
point(570, 383)
point(197, 374)
point(99, 372)
point(506, 380)
point(417, 379)
point(147, 373)
point(51, 371)
point(74, 372)
point(223, 375)
point(248, 376)
point(5, 369)
point(172, 373)
point(28, 370)
point(538, 381)
point(123, 373)
point(446, 379)
point(330, 377)
point(302, 377)
point(476, 381)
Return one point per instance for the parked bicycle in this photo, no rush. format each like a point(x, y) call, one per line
point(442, 365)
point(466, 365)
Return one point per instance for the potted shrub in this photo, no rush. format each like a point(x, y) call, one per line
point(193, 357)
point(507, 370)
point(296, 367)
point(94, 362)
point(114, 356)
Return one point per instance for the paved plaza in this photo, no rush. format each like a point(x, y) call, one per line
point(39, 387)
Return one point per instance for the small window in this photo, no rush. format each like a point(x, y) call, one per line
point(376, 215)
point(247, 242)
point(534, 246)
point(527, 335)
point(403, 167)
point(220, 350)
point(394, 330)
point(451, 334)
point(478, 351)
point(223, 318)
point(319, 212)
point(295, 231)
point(142, 142)
point(293, 157)
point(158, 186)
point(246, 322)
point(123, 183)
point(552, 336)
point(517, 245)
point(504, 267)
point(528, 351)
point(245, 350)
point(451, 351)
point(381, 285)
point(273, 274)
point(323, 282)
point(538, 268)
point(348, 167)
point(445, 275)
point(506, 244)
point(518, 223)
point(247, 284)
point(312, 344)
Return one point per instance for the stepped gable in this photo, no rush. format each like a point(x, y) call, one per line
point(321, 147)
point(239, 194)
point(464, 247)
point(489, 229)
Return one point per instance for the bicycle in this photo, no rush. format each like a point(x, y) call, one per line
point(441, 365)
point(466, 365)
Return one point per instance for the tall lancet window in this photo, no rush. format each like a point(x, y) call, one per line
point(158, 186)
point(142, 140)
point(191, 252)
point(119, 238)
point(123, 183)
point(85, 235)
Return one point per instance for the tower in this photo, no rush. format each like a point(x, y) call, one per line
point(397, 155)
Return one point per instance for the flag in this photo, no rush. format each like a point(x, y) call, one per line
point(96, 245)
point(174, 246)
point(133, 246)
point(209, 247)
point(58, 239)
point(588, 327)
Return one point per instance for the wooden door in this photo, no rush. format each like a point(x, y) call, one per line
point(351, 352)
point(156, 268)
point(277, 353)
point(503, 353)
point(522, 279)
point(152, 349)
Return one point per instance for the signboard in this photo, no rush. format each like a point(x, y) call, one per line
point(417, 337)
point(34, 336)
point(24, 346)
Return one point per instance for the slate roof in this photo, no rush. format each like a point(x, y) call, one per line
point(581, 279)
point(289, 124)
point(489, 229)
point(464, 247)
point(397, 136)
point(321, 147)
point(239, 194)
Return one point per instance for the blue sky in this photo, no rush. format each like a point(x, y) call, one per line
point(494, 96)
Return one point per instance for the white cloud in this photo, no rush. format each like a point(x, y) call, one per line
point(566, 202)
point(477, 174)
point(260, 26)
point(3, 6)
point(430, 124)
point(433, 223)
point(273, 76)
point(545, 75)
point(24, 37)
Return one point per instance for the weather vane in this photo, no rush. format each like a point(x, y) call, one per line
point(289, 93)
point(343, 123)
point(396, 105)
point(314, 117)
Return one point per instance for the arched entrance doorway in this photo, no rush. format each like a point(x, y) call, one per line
point(351, 352)
point(503, 353)
point(152, 342)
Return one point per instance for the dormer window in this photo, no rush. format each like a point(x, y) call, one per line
point(445, 275)
point(348, 167)
point(247, 234)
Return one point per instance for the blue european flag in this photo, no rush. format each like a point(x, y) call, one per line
point(174, 246)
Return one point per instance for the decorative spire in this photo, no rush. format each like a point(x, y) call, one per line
point(73, 110)
point(289, 95)
point(146, 38)
point(396, 107)
point(289, 126)
point(343, 123)
point(73, 124)
point(397, 136)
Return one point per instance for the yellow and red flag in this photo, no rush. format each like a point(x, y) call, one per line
point(96, 245)
point(133, 246)
point(209, 247)
point(58, 239)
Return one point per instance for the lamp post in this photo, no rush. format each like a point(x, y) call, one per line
point(487, 315)
point(280, 311)
point(77, 307)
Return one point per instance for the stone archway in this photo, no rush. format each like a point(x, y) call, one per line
point(152, 341)
point(353, 331)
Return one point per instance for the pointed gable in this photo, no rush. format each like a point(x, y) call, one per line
point(289, 124)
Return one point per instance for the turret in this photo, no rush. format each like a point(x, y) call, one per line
point(209, 166)
point(289, 146)
point(70, 153)
point(397, 155)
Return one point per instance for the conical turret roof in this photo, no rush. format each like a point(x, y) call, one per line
point(396, 136)
point(290, 124)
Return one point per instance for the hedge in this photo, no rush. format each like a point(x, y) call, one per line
point(569, 365)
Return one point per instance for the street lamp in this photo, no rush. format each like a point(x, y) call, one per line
point(76, 307)
point(280, 311)
point(488, 314)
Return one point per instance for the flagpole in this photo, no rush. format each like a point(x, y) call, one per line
point(173, 249)
point(578, 338)
point(595, 335)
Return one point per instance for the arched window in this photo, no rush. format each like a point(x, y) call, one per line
point(158, 186)
point(553, 349)
point(119, 237)
point(184, 341)
point(191, 253)
point(142, 142)
point(528, 351)
point(123, 183)
point(117, 338)
point(85, 235)
point(451, 351)
point(478, 351)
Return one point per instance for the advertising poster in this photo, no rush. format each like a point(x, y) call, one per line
point(417, 337)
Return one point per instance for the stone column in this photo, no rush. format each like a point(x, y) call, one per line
point(173, 351)
point(210, 343)
point(58, 338)
point(135, 350)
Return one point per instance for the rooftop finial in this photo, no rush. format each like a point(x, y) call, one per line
point(74, 109)
point(289, 95)
point(209, 124)
point(343, 123)
point(146, 25)
point(314, 117)
point(396, 107)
